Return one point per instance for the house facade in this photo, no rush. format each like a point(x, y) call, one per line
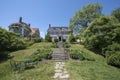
point(23, 30)
point(58, 32)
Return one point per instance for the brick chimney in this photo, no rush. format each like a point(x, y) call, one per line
point(20, 19)
point(29, 25)
point(49, 25)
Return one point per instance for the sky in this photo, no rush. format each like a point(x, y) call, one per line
point(41, 13)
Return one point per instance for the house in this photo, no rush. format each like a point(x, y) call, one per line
point(35, 33)
point(23, 30)
point(58, 32)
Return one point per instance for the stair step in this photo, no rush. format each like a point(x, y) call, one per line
point(60, 54)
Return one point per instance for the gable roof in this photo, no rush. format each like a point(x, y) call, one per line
point(34, 30)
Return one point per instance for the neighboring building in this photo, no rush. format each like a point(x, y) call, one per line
point(59, 33)
point(24, 30)
point(35, 33)
point(20, 28)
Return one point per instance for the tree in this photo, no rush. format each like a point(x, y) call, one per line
point(47, 37)
point(116, 13)
point(102, 32)
point(10, 41)
point(84, 17)
point(71, 38)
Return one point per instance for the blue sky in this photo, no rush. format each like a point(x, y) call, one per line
point(41, 13)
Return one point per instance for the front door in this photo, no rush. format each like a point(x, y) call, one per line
point(59, 38)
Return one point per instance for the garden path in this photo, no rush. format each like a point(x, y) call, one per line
point(60, 55)
point(60, 71)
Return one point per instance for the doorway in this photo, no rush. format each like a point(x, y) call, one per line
point(60, 39)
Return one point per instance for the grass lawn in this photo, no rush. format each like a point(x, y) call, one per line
point(91, 70)
point(78, 70)
point(44, 70)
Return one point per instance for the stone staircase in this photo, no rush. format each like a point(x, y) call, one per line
point(60, 45)
point(59, 55)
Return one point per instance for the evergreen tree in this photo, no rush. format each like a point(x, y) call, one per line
point(48, 38)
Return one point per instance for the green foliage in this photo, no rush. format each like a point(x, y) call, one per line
point(4, 56)
point(80, 54)
point(48, 55)
point(71, 38)
point(64, 40)
point(34, 58)
point(39, 54)
point(54, 45)
point(36, 40)
point(116, 13)
point(75, 54)
point(10, 41)
point(56, 40)
point(80, 34)
point(112, 54)
point(28, 42)
point(47, 38)
point(66, 45)
point(84, 17)
point(16, 45)
point(87, 56)
point(101, 33)
point(114, 59)
point(111, 49)
point(91, 70)
point(103, 36)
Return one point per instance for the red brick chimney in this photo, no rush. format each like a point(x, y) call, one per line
point(20, 20)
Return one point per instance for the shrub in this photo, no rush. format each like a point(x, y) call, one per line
point(111, 49)
point(55, 40)
point(36, 40)
point(114, 59)
point(4, 56)
point(34, 58)
point(75, 54)
point(66, 45)
point(54, 45)
point(10, 41)
point(64, 40)
point(81, 55)
point(67, 49)
point(37, 52)
point(47, 55)
point(17, 44)
point(112, 54)
point(71, 38)
point(88, 57)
